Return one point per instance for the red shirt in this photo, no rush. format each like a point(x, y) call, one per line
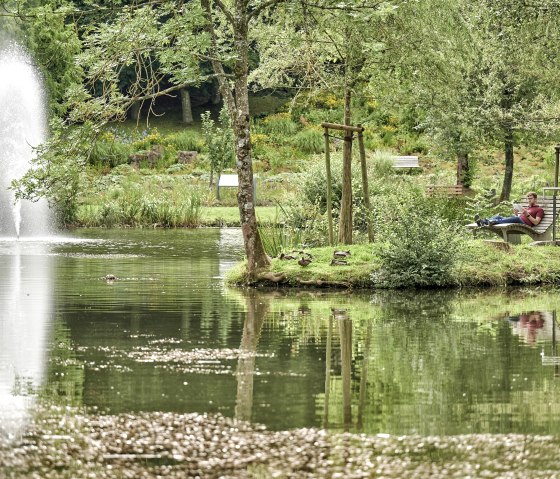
point(535, 211)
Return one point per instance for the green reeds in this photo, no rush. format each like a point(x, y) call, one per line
point(164, 210)
point(277, 237)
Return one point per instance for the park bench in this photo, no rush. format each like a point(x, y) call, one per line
point(453, 190)
point(511, 232)
point(232, 181)
point(401, 162)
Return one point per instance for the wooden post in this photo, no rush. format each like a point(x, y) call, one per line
point(365, 185)
point(329, 186)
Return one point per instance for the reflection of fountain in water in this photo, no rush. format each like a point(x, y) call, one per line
point(22, 127)
point(25, 308)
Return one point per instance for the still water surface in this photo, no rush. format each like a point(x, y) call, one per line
point(167, 335)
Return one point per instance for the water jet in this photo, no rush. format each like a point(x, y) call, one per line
point(22, 129)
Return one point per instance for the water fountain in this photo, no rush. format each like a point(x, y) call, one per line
point(25, 265)
point(22, 127)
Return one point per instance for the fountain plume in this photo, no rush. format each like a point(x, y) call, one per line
point(22, 129)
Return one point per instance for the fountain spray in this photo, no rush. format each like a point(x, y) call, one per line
point(22, 129)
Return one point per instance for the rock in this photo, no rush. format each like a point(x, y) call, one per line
point(151, 157)
point(186, 157)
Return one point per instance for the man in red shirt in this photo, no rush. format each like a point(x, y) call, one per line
point(530, 216)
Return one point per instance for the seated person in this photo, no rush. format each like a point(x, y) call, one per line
point(530, 216)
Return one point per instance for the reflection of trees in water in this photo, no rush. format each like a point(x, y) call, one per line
point(252, 326)
point(439, 366)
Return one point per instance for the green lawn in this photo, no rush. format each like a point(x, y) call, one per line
point(229, 215)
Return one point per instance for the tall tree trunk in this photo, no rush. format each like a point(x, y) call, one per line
point(508, 174)
point(256, 256)
point(186, 107)
point(463, 177)
point(345, 218)
point(237, 103)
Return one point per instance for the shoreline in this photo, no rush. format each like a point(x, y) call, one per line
point(481, 265)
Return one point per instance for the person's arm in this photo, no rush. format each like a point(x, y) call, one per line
point(533, 219)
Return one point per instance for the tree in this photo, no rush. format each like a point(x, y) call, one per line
point(324, 46)
point(519, 47)
point(474, 73)
point(168, 40)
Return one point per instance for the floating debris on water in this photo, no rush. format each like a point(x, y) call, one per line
point(70, 444)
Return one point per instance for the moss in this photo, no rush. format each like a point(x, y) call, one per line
point(479, 265)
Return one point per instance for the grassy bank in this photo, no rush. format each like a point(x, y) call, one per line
point(479, 264)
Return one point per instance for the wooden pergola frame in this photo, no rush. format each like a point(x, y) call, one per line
point(348, 137)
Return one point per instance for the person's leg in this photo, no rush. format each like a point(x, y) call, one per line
point(499, 220)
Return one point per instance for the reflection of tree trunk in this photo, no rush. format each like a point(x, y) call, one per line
point(363, 378)
point(186, 107)
point(328, 354)
point(346, 360)
point(256, 312)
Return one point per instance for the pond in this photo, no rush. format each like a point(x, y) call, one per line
point(167, 335)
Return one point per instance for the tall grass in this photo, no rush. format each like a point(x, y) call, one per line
point(186, 140)
point(133, 210)
point(277, 237)
point(309, 141)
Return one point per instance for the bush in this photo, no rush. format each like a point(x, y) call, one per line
point(382, 164)
point(420, 249)
point(111, 153)
point(279, 124)
point(309, 141)
point(186, 140)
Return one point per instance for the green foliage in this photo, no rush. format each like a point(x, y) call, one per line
point(277, 237)
point(420, 249)
point(485, 205)
point(55, 44)
point(110, 153)
point(219, 140)
point(279, 124)
point(382, 164)
point(55, 171)
point(186, 140)
point(132, 207)
point(309, 141)
point(305, 222)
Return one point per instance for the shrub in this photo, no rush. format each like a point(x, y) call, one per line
point(111, 153)
point(186, 140)
point(220, 141)
point(309, 141)
point(279, 124)
point(382, 164)
point(420, 249)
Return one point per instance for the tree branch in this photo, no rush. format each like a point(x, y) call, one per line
point(225, 11)
point(262, 7)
